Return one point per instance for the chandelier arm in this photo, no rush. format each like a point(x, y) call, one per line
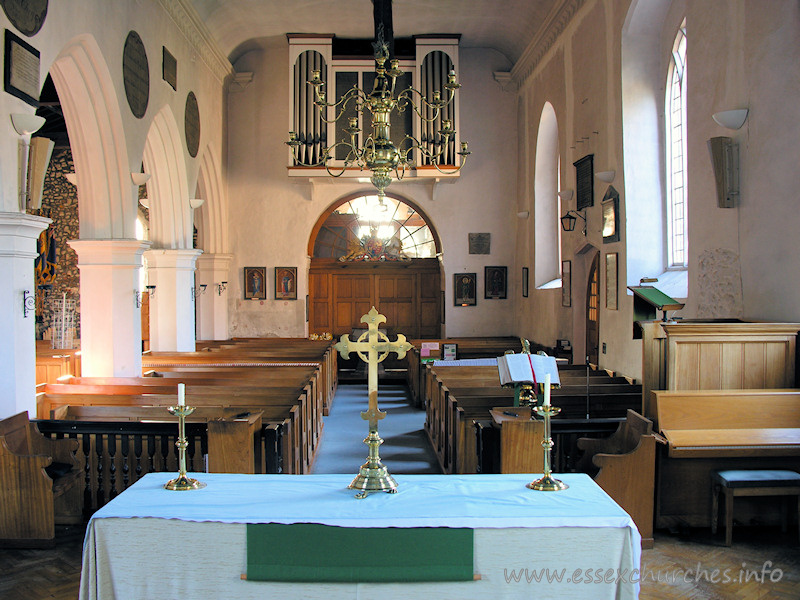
point(358, 98)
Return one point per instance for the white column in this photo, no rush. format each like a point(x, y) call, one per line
point(111, 321)
point(212, 306)
point(171, 306)
point(18, 234)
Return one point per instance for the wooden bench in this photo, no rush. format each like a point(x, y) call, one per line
point(712, 430)
point(626, 462)
point(39, 484)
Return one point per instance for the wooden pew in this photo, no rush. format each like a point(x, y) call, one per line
point(710, 430)
point(626, 462)
point(458, 396)
point(302, 434)
point(33, 500)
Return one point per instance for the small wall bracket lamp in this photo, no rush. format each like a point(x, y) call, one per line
point(151, 290)
point(28, 303)
point(199, 290)
point(221, 287)
point(568, 221)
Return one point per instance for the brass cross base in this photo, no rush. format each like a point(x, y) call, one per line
point(183, 483)
point(373, 476)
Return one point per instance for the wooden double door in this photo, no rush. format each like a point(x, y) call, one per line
point(408, 293)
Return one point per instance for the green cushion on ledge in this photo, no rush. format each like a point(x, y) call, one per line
point(321, 553)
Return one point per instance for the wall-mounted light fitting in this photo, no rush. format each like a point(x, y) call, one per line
point(140, 178)
point(28, 303)
point(607, 176)
point(199, 290)
point(24, 124)
point(568, 221)
point(731, 119)
point(566, 195)
point(221, 287)
point(196, 203)
point(151, 290)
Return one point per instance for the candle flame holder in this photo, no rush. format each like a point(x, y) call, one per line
point(547, 483)
point(182, 482)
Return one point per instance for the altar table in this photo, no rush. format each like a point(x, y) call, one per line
point(153, 543)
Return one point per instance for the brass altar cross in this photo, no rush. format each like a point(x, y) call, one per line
point(373, 347)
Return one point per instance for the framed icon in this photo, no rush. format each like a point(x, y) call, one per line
point(285, 283)
point(255, 283)
point(465, 289)
point(495, 283)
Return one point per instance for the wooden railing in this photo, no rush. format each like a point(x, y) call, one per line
point(114, 455)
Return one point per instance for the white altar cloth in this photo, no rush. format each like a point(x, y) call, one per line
point(153, 543)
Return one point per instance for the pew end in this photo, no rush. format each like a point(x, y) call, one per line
point(39, 484)
point(624, 466)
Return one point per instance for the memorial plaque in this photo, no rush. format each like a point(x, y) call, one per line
point(169, 68)
point(26, 15)
point(480, 243)
point(192, 125)
point(21, 69)
point(136, 74)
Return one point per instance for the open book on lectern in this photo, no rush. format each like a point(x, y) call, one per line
point(527, 368)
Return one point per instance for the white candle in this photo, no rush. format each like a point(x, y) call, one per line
point(181, 394)
point(547, 389)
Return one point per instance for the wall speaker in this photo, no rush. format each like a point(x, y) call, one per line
point(40, 151)
point(725, 161)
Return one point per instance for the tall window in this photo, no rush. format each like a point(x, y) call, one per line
point(675, 109)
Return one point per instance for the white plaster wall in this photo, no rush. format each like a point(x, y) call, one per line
point(741, 53)
point(272, 215)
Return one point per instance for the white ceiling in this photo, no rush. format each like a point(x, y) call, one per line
point(505, 25)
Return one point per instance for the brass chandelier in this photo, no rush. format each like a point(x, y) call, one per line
point(378, 153)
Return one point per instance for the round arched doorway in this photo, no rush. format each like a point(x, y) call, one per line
point(370, 252)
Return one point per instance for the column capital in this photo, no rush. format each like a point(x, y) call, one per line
point(214, 261)
point(120, 252)
point(19, 232)
point(183, 258)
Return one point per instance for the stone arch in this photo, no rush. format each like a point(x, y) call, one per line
point(107, 196)
point(212, 222)
point(168, 188)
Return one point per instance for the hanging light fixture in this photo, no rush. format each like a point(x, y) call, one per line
point(378, 153)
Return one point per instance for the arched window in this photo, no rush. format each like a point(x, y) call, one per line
point(675, 138)
point(547, 238)
point(371, 224)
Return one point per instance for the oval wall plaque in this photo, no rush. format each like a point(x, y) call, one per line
point(26, 15)
point(192, 125)
point(136, 74)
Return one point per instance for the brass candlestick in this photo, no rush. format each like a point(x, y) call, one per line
point(547, 483)
point(182, 482)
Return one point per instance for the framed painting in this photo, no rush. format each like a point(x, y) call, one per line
point(611, 280)
point(611, 216)
point(524, 282)
point(495, 283)
point(566, 283)
point(285, 283)
point(255, 283)
point(465, 289)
